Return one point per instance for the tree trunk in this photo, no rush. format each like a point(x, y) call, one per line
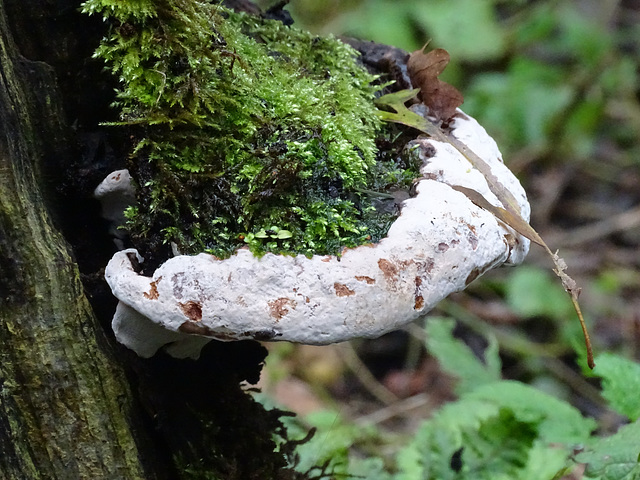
point(73, 404)
point(65, 406)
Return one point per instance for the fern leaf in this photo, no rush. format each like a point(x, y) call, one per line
point(502, 430)
point(469, 439)
point(457, 359)
point(558, 421)
point(620, 384)
point(616, 457)
point(500, 447)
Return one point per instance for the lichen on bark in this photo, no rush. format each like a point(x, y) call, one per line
point(247, 132)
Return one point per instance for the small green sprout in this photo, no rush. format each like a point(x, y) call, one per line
point(274, 233)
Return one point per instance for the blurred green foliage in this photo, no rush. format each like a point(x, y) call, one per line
point(534, 292)
point(546, 76)
point(457, 359)
point(621, 384)
point(497, 429)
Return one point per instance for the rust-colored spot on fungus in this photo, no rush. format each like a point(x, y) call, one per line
point(192, 310)
point(199, 329)
point(195, 329)
point(304, 297)
point(364, 278)
point(511, 242)
point(426, 266)
point(280, 307)
point(475, 273)
point(177, 279)
point(389, 270)
point(473, 240)
point(442, 247)
point(419, 303)
point(342, 290)
point(153, 293)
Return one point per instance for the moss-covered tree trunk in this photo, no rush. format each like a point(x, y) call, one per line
point(73, 403)
point(65, 406)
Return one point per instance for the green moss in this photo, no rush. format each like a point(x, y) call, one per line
point(245, 128)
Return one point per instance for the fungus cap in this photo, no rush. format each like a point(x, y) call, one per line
point(115, 193)
point(439, 244)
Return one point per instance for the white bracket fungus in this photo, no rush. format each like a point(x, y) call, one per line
point(438, 245)
point(115, 194)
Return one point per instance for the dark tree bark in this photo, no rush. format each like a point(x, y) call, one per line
point(66, 409)
point(73, 404)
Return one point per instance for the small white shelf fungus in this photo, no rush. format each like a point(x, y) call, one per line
point(115, 194)
point(438, 245)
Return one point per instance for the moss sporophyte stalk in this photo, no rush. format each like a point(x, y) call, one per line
point(248, 132)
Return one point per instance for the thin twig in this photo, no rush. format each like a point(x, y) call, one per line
point(588, 233)
point(364, 375)
point(397, 409)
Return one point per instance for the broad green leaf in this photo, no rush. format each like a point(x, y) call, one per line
point(473, 24)
point(531, 292)
point(531, 94)
point(457, 359)
point(620, 384)
point(615, 457)
point(500, 449)
point(282, 234)
point(558, 421)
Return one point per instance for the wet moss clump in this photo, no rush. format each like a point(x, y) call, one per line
point(245, 132)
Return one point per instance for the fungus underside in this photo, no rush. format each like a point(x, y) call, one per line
point(246, 131)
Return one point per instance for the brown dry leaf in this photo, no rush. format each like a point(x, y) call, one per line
point(520, 225)
point(514, 220)
point(424, 69)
